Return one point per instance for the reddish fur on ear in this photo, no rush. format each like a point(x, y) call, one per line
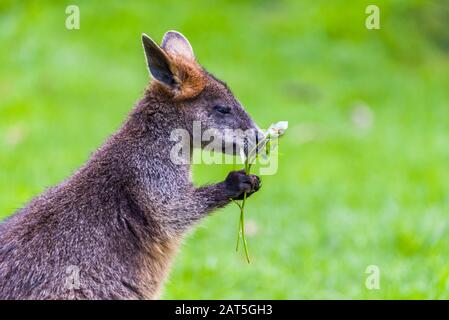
point(188, 75)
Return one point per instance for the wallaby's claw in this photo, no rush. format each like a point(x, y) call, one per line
point(238, 183)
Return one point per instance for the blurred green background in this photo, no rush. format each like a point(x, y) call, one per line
point(363, 174)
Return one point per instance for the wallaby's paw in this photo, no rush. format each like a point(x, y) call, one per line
point(237, 183)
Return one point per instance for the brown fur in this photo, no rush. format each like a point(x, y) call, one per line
point(190, 75)
point(121, 217)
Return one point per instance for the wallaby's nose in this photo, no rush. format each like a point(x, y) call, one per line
point(252, 140)
point(259, 137)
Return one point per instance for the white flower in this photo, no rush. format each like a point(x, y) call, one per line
point(277, 129)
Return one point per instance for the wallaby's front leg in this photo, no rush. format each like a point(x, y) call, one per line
point(218, 195)
point(208, 198)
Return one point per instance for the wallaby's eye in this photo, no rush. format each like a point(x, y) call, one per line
point(222, 109)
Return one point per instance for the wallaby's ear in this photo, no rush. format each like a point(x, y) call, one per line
point(173, 65)
point(158, 62)
point(175, 43)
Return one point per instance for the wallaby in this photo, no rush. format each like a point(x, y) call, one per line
point(111, 230)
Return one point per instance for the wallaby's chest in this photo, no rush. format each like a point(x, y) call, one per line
point(155, 266)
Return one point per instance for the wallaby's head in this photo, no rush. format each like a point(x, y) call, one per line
point(202, 97)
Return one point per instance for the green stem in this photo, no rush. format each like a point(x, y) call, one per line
point(239, 228)
point(241, 232)
point(242, 223)
point(238, 234)
point(242, 215)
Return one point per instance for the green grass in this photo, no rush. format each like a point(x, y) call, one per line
point(348, 193)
